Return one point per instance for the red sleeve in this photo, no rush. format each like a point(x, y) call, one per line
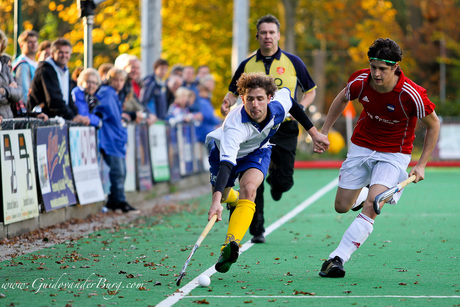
point(355, 84)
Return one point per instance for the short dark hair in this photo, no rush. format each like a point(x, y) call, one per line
point(160, 62)
point(268, 19)
point(249, 81)
point(58, 43)
point(25, 35)
point(385, 49)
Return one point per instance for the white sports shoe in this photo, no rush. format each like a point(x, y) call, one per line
point(361, 199)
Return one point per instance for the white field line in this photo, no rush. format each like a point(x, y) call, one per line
point(185, 290)
point(328, 297)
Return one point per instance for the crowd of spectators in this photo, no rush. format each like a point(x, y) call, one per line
point(38, 83)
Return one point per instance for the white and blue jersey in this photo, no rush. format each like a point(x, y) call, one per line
point(239, 136)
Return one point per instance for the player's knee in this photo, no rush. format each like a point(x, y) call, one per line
point(341, 206)
point(248, 191)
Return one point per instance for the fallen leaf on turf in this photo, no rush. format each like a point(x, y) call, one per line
point(304, 293)
point(271, 301)
point(122, 272)
point(130, 276)
point(201, 302)
point(402, 284)
point(248, 302)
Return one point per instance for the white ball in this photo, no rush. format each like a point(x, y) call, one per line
point(204, 280)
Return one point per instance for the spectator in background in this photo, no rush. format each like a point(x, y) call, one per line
point(84, 95)
point(131, 65)
point(44, 51)
point(190, 83)
point(202, 71)
point(50, 88)
point(172, 85)
point(103, 69)
point(24, 66)
point(153, 93)
point(204, 106)
point(177, 70)
point(10, 93)
point(189, 78)
point(113, 137)
point(76, 72)
point(179, 111)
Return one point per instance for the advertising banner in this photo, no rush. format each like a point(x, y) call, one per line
point(53, 164)
point(449, 141)
point(19, 189)
point(159, 152)
point(184, 139)
point(83, 155)
point(144, 169)
point(173, 151)
point(130, 182)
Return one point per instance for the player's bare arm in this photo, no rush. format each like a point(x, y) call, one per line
point(308, 98)
point(229, 100)
point(431, 137)
point(337, 107)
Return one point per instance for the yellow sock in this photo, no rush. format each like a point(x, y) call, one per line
point(240, 220)
point(232, 196)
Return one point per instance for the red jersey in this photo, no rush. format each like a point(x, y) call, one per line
point(387, 122)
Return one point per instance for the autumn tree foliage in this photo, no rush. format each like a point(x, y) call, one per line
point(332, 37)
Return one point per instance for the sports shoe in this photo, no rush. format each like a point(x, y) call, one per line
point(125, 208)
point(228, 256)
point(276, 195)
point(361, 199)
point(332, 268)
point(258, 239)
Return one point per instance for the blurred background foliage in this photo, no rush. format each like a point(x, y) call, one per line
point(332, 37)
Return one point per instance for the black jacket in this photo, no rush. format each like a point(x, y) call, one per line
point(45, 89)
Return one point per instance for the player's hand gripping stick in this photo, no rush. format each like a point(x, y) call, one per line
point(386, 195)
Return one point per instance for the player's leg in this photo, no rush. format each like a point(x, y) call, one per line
point(280, 176)
point(386, 171)
point(257, 225)
point(240, 219)
point(354, 174)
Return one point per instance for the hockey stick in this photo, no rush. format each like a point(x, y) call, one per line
point(384, 196)
point(197, 244)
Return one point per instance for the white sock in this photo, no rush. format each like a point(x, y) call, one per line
point(361, 197)
point(353, 237)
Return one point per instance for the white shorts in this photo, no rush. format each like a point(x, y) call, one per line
point(364, 166)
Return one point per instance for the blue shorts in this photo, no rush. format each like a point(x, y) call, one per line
point(259, 159)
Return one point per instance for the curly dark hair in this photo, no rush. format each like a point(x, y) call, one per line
point(249, 81)
point(385, 49)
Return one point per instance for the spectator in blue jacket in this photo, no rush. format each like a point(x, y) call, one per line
point(204, 106)
point(153, 93)
point(84, 95)
point(113, 137)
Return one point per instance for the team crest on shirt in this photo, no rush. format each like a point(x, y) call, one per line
point(280, 70)
point(276, 127)
point(390, 107)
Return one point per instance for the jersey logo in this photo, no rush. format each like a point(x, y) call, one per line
point(390, 107)
point(366, 99)
point(280, 70)
point(225, 156)
point(357, 244)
